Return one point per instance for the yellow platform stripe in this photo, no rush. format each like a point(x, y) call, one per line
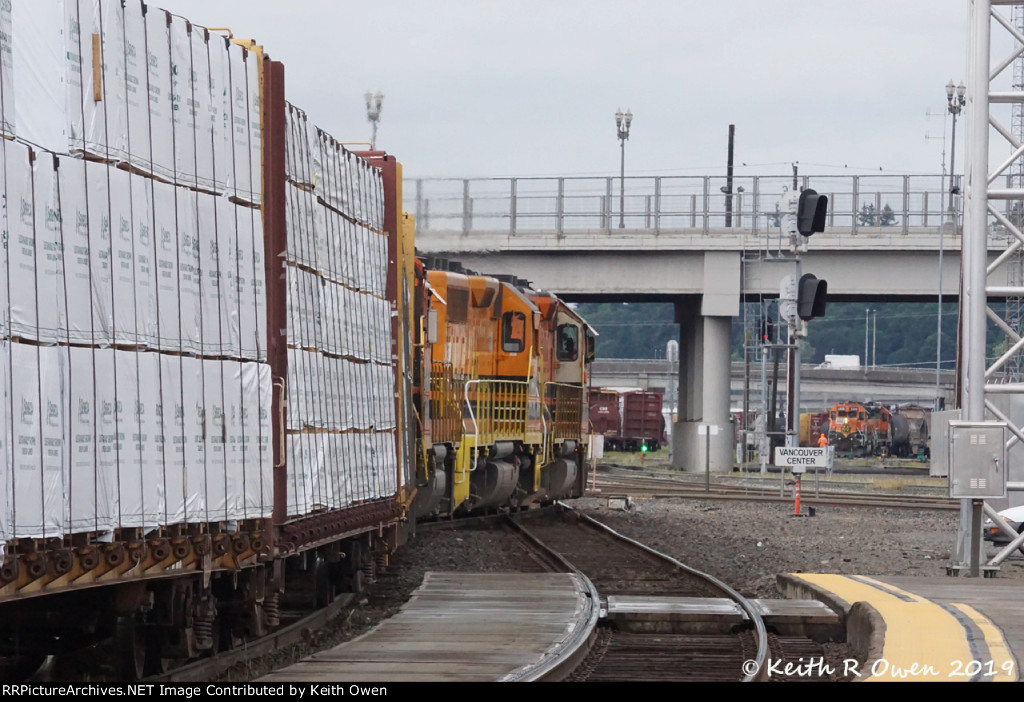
point(1003, 666)
point(923, 642)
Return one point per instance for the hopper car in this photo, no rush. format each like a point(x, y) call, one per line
point(230, 386)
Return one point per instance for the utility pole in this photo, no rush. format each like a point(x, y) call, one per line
point(728, 177)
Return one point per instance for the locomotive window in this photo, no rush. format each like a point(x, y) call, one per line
point(513, 332)
point(862, 416)
point(568, 342)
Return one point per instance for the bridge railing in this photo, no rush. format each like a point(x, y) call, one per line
point(657, 203)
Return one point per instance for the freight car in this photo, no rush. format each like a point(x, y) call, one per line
point(812, 426)
point(228, 383)
point(630, 420)
point(918, 430)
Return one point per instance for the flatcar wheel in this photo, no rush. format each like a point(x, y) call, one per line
point(130, 647)
point(357, 581)
point(156, 664)
point(322, 591)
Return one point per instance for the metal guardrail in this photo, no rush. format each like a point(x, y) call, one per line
point(668, 202)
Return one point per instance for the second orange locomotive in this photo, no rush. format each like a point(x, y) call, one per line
point(503, 400)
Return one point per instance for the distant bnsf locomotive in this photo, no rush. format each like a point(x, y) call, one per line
point(867, 429)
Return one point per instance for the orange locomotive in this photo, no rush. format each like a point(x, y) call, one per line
point(502, 399)
point(857, 429)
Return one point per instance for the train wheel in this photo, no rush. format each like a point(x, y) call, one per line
point(130, 649)
point(323, 592)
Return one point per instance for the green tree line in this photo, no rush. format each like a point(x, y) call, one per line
point(902, 334)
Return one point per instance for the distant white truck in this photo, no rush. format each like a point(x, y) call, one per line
point(841, 362)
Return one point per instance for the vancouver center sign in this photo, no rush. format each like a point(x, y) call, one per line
point(800, 458)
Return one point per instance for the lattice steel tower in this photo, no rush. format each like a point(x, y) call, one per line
point(1014, 372)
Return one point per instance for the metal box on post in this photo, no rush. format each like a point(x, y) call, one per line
point(977, 459)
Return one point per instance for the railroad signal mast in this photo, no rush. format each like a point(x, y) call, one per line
point(802, 296)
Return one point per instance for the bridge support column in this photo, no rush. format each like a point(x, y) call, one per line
point(702, 439)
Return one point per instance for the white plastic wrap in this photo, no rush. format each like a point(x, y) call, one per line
point(211, 302)
point(113, 109)
point(329, 342)
point(22, 241)
point(89, 505)
point(300, 227)
point(387, 463)
point(144, 252)
point(296, 385)
point(26, 437)
point(240, 186)
point(220, 112)
point(53, 364)
point(161, 106)
point(166, 239)
point(234, 446)
point(7, 455)
point(315, 391)
point(259, 284)
point(184, 114)
point(100, 252)
point(202, 100)
point(148, 438)
point(38, 64)
point(107, 441)
point(337, 493)
point(222, 489)
point(136, 148)
point(174, 437)
point(255, 129)
point(195, 440)
point(256, 431)
point(297, 167)
point(122, 257)
point(231, 251)
point(7, 120)
point(133, 485)
point(189, 291)
point(49, 279)
point(300, 473)
point(78, 272)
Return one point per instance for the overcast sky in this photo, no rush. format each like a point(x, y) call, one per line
point(530, 87)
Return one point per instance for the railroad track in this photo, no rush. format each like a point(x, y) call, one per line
point(626, 484)
point(618, 566)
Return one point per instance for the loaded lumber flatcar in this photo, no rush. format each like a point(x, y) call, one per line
point(228, 383)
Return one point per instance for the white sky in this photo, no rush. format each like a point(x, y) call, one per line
point(530, 87)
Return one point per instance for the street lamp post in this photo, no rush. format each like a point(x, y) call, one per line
point(373, 104)
point(953, 105)
point(622, 122)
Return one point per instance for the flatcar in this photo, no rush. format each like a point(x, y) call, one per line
point(230, 385)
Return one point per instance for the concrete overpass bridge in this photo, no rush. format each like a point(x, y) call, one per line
point(684, 240)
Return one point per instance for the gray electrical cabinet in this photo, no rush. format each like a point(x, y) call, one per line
point(977, 460)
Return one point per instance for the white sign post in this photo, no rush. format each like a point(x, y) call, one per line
point(800, 458)
point(707, 430)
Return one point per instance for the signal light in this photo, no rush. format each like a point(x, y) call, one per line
point(811, 212)
point(643, 447)
point(811, 294)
